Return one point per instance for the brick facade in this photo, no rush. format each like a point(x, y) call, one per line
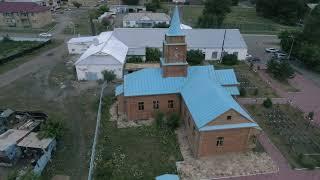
point(174, 71)
point(130, 105)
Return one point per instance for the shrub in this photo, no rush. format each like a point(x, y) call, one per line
point(153, 54)
point(134, 59)
point(243, 92)
point(195, 57)
point(159, 118)
point(6, 38)
point(256, 92)
point(280, 70)
point(267, 103)
point(173, 121)
point(52, 129)
point(108, 75)
point(76, 4)
point(230, 59)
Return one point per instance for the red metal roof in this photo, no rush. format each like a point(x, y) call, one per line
point(13, 7)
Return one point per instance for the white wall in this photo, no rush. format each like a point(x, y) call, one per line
point(208, 53)
point(98, 69)
point(78, 48)
point(131, 24)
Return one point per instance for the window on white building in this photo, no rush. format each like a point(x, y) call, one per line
point(214, 55)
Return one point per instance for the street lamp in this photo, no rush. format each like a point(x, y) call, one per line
point(291, 36)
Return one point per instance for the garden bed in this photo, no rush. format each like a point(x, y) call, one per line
point(296, 138)
point(134, 153)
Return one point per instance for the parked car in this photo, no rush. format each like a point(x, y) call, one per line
point(248, 56)
point(271, 50)
point(45, 35)
point(280, 55)
point(254, 59)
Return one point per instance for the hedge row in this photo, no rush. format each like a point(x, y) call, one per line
point(22, 53)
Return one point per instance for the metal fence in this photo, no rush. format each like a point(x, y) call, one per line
point(96, 134)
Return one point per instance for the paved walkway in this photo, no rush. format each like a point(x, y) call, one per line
point(285, 172)
point(307, 99)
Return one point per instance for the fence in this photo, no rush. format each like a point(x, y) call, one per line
point(96, 134)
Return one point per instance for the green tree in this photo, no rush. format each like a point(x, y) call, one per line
point(312, 26)
point(214, 13)
point(76, 4)
point(153, 54)
point(310, 55)
point(134, 59)
point(52, 129)
point(230, 59)
point(195, 57)
point(173, 121)
point(109, 75)
point(243, 92)
point(235, 2)
point(153, 5)
point(280, 70)
point(283, 11)
point(267, 103)
point(130, 2)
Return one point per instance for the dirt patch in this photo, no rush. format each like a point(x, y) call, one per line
point(122, 121)
point(231, 164)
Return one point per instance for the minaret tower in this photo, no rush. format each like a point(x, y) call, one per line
point(174, 63)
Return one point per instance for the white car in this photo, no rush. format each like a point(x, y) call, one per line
point(272, 50)
point(45, 35)
point(248, 56)
point(280, 55)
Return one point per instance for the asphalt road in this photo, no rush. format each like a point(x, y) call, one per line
point(258, 43)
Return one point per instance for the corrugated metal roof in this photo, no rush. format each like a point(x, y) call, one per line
point(175, 29)
point(205, 97)
point(195, 38)
point(146, 16)
point(168, 177)
point(229, 126)
point(226, 76)
point(232, 90)
point(119, 89)
point(81, 39)
point(113, 47)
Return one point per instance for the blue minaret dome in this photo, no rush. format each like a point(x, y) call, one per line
point(175, 29)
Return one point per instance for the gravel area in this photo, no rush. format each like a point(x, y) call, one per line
point(122, 121)
point(231, 164)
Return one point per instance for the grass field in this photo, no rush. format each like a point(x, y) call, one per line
point(293, 135)
point(18, 61)
point(241, 18)
point(249, 80)
point(81, 24)
point(8, 48)
point(135, 153)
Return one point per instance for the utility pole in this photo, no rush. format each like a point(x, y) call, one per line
point(291, 36)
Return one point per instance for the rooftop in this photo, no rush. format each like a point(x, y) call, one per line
point(146, 16)
point(175, 29)
point(14, 7)
point(212, 99)
point(32, 141)
point(11, 137)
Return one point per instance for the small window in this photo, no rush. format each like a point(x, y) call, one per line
point(253, 139)
point(170, 104)
point(229, 117)
point(72, 49)
point(194, 131)
point(214, 55)
point(155, 104)
point(220, 141)
point(189, 121)
point(141, 106)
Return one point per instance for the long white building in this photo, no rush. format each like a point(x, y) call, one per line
point(212, 42)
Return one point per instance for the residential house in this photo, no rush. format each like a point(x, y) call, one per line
point(145, 19)
point(213, 120)
point(24, 15)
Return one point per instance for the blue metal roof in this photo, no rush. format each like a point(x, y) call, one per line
point(119, 89)
point(175, 29)
point(232, 90)
point(226, 76)
point(229, 126)
point(201, 90)
point(167, 177)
